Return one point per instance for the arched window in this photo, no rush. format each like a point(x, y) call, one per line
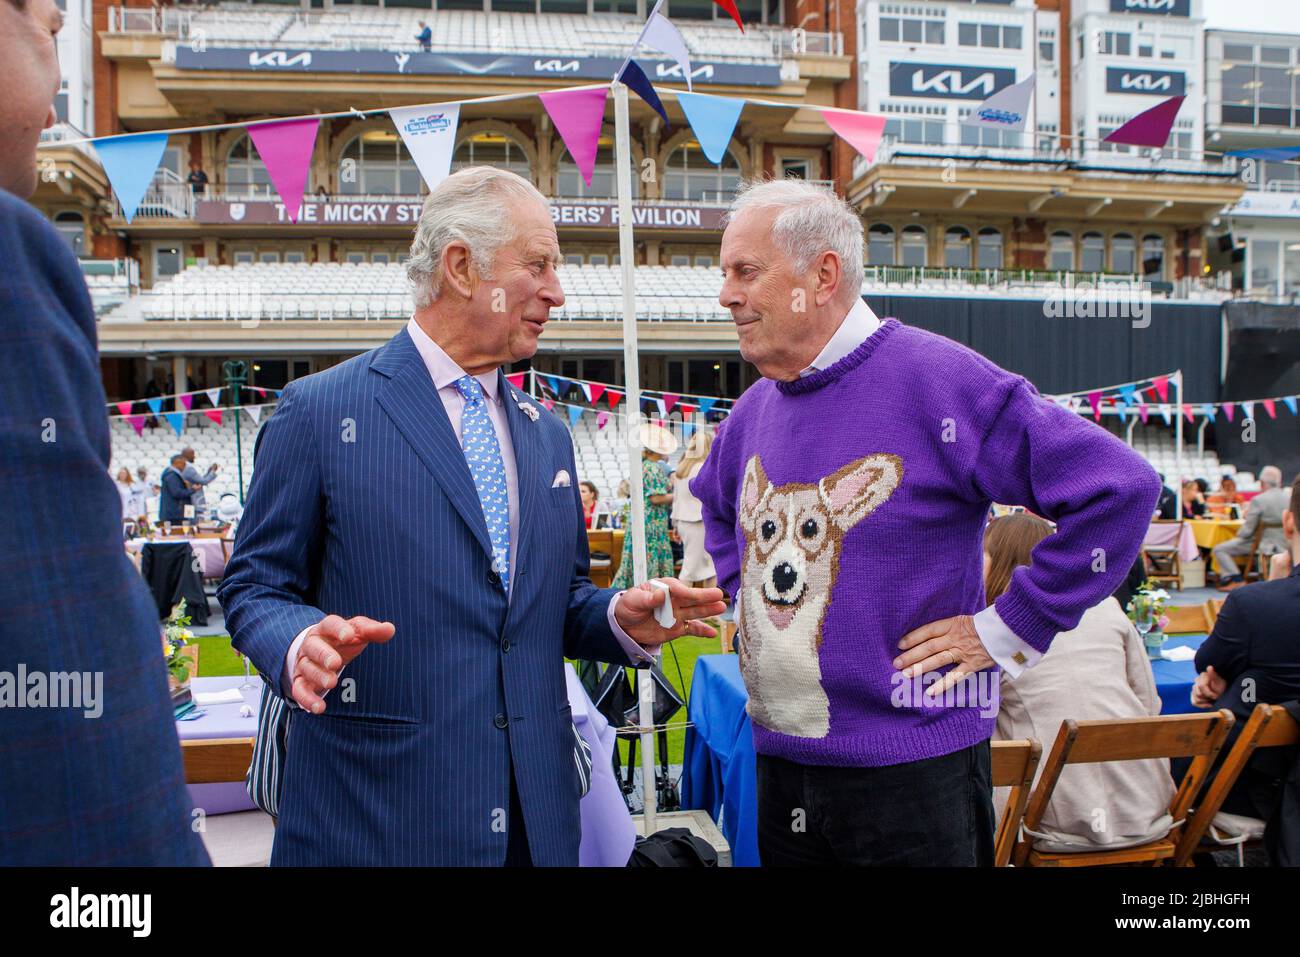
point(492, 149)
point(880, 245)
point(245, 173)
point(957, 247)
point(568, 180)
point(72, 227)
point(989, 251)
point(376, 164)
point(1092, 257)
point(913, 246)
point(689, 174)
point(1153, 257)
point(1061, 254)
point(1123, 253)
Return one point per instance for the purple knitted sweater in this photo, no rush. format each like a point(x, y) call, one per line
point(847, 508)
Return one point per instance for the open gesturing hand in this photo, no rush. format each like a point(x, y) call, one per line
point(329, 646)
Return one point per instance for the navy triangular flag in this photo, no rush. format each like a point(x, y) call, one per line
point(639, 83)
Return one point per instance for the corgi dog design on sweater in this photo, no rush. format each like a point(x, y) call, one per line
point(793, 537)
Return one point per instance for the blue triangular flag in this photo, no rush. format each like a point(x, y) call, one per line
point(176, 420)
point(687, 429)
point(553, 382)
point(575, 413)
point(706, 405)
point(130, 162)
point(1207, 410)
point(1128, 394)
point(1249, 409)
point(713, 119)
point(1289, 402)
point(155, 405)
point(639, 83)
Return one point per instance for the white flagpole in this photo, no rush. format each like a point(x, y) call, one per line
point(632, 379)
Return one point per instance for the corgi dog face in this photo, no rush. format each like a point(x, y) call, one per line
point(794, 534)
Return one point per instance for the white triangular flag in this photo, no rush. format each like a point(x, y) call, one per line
point(429, 133)
point(660, 34)
point(255, 413)
point(213, 395)
point(1007, 109)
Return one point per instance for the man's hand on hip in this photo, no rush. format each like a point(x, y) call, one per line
point(635, 612)
point(949, 641)
point(327, 648)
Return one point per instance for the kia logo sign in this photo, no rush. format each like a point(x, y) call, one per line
point(280, 59)
point(556, 66)
point(1145, 82)
point(941, 81)
point(1172, 8)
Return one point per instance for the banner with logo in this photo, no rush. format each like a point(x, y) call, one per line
point(940, 81)
point(430, 137)
point(1005, 110)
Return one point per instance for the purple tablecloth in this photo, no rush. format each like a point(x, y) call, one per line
point(222, 721)
point(1164, 533)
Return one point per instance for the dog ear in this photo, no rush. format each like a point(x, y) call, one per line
point(854, 492)
point(752, 492)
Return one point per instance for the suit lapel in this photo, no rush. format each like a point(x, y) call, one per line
point(415, 407)
point(528, 464)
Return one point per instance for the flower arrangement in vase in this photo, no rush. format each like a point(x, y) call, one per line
point(1146, 609)
point(180, 654)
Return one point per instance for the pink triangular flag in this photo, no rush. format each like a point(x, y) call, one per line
point(578, 115)
point(596, 392)
point(285, 149)
point(1161, 384)
point(601, 419)
point(1150, 127)
point(1142, 411)
point(516, 379)
point(187, 400)
point(1094, 400)
point(613, 396)
point(1228, 410)
point(670, 400)
point(862, 131)
point(213, 414)
point(549, 403)
point(137, 423)
point(124, 408)
point(1187, 414)
point(1270, 408)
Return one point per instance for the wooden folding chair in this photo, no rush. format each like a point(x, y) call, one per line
point(1269, 727)
point(1211, 610)
point(1013, 766)
point(216, 760)
point(1161, 562)
point(1198, 736)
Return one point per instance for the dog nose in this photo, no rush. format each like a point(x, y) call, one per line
point(784, 577)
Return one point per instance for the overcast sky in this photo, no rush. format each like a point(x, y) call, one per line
point(1271, 16)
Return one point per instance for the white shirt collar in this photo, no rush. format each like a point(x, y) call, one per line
point(855, 328)
point(443, 368)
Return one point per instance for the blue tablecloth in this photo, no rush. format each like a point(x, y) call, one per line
point(1174, 679)
point(718, 764)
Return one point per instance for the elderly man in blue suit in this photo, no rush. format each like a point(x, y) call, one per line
point(90, 771)
point(411, 568)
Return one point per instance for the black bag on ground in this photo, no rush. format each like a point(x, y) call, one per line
point(673, 847)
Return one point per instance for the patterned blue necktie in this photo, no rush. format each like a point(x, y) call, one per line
point(483, 455)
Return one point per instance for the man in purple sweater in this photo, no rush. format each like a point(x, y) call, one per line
point(844, 503)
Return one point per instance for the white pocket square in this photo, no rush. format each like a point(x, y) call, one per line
point(561, 479)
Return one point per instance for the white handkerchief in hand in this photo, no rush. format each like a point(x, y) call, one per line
point(561, 479)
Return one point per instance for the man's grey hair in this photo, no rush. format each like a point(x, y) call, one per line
point(812, 220)
point(1270, 476)
point(474, 206)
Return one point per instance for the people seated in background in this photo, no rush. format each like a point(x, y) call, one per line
point(1098, 670)
point(1229, 498)
point(1253, 656)
point(1167, 504)
point(175, 493)
point(1264, 511)
point(1194, 500)
point(590, 496)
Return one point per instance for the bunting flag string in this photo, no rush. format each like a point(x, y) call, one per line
point(124, 406)
point(430, 137)
point(130, 163)
point(660, 34)
point(578, 115)
point(1007, 109)
point(639, 83)
point(285, 148)
point(712, 119)
point(1150, 127)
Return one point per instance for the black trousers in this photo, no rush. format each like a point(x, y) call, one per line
point(517, 853)
point(937, 812)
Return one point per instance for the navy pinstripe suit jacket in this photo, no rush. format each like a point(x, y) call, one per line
point(362, 504)
point(74, 790)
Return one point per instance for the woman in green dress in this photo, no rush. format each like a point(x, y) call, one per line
point(657, 444)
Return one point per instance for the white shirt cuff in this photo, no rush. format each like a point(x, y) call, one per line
point(635, 653)
point(1012, 654)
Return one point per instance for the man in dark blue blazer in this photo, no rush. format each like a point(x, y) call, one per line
point(413, 554)
point(92, 776)
point(175, 492)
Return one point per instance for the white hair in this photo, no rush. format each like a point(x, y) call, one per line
point(1270, 476)
point(474, 206)
point(812, 220)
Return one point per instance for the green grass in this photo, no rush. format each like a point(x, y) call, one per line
point(216, 658)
